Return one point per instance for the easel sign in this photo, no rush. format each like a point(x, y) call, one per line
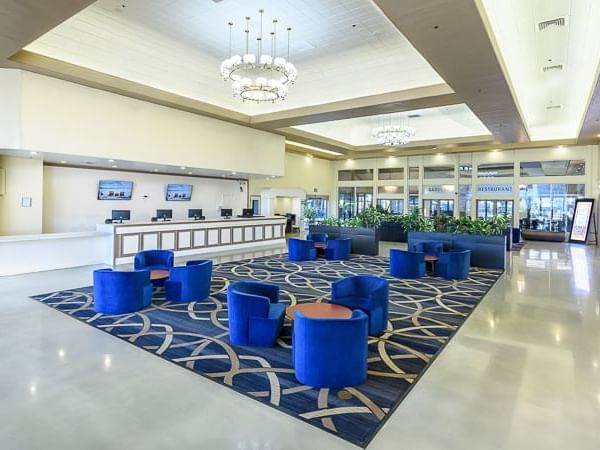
point(582, 219)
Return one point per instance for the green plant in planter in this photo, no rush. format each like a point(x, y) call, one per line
point(333, 222)
point(370, 217)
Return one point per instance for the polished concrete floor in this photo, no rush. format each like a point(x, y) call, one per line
point(522, 373)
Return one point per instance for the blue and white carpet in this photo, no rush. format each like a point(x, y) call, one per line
point(423, 316)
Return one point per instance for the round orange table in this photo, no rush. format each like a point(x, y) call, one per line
point(159, 275)
point(320, 310)
point(320, 245)
point(431, 259)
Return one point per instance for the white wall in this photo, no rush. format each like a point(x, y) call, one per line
point(62, 117)
point(70, 197)
point(10, 108)
point(23, 179)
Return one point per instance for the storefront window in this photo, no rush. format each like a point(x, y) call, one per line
point(391, 174)
point(413, 173)
point(394, 206)
point(438, 172)
point(390, 189)
point(465, 170)
point(548, 207)
point(355, 175)
point(553, 168)
point(496, 170)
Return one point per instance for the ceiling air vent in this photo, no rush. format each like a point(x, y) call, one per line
point(558, 22)
point(413, 116)
point(551, 107)
point(553, 67)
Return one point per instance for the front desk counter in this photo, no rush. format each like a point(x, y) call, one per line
point(191, 237)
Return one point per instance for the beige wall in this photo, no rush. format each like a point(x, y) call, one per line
point(23, 179)
point(70, 197)
point(301, 172)
point(61, 117)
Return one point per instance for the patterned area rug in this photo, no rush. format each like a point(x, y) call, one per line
point(424, 314)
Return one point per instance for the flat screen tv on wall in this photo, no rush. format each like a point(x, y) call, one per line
point(114, 190)
point(179, 192)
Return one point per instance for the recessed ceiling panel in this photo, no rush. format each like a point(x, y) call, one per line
point(449, 122)
point(342, 48)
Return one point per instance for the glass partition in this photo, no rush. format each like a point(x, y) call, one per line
point(413, 198)
point(464, 200)
point(390, 190)
point(487, 209)
point(413, 173)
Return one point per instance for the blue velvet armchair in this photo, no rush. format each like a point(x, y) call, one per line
point(405, 264)
point(330, 352)
point(432, 248)
point(338, 249)
point(121, 292)
point(255, 316)
point(190, 282)
point(301, 250)
point(317, 237)
point(367, 293)
point(454, 264)
point(154, 259)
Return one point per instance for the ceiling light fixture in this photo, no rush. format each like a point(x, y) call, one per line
point(63, 162)
point(259, 77)
point(33, 153)
point(310, 147)
point(111, 160)
point(393, 130)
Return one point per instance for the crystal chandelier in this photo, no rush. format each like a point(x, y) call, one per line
point(393, 130)
point(260, 76)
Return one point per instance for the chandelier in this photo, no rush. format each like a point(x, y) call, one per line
point(393, 130)
point(262, 76)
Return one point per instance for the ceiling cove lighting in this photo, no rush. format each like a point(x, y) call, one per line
point(393, 130)
point(261, 76)
point(310, 147)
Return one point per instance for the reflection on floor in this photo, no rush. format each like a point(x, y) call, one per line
point(522, 372)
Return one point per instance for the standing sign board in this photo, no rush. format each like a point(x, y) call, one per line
point(582, 218)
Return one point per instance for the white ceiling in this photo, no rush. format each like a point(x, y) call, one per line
point(524, 50)
point(177, 46)
point(456, 121)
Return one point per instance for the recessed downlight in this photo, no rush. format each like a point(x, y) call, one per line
point(111, 160)
point(114, 166)
point(33, 153)
point(183, 167)
point(63, 162)
point(233, 173)
point(189, 173)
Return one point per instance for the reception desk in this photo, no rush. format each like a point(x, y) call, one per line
point(190, 237)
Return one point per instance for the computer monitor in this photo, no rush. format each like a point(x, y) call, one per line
point(164, 214)
point(119, 215)
point(195, 214)
point(226, 212)
point(247, 212)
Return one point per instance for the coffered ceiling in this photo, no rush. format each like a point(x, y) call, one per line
point(471, 69)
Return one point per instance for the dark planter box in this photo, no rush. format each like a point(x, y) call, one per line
point(365, 241)
point(392, 232)
point(486, 251)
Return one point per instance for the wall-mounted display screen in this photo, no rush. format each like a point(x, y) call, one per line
point(581, 220)
point(179, 192)
point(114, 190)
